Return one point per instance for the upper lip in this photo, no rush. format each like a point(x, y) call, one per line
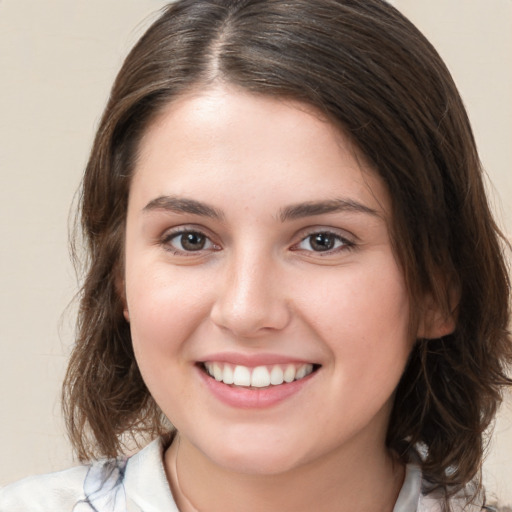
point(253, 360)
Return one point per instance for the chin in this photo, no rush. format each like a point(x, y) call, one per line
point(256, 454)
point(256, 463)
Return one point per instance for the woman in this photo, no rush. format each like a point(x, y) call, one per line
point(292, 260)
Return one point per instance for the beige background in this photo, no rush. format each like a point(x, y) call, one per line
point(57, 61)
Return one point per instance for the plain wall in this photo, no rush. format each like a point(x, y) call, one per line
point(57, 61)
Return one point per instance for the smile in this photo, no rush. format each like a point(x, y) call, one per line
point(259, 376)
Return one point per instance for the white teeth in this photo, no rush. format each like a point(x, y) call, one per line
point(217, 372)
point(276, 376)
point(228, 374)
point(304, 370)
point(242, 376)
point(289, 373)
point(301, 372)
point(258, 377)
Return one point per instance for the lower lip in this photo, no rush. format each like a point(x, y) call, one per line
point(253, 398)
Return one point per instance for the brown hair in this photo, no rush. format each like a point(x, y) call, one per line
point(366, 67)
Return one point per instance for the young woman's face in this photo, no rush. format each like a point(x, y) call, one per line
point(268, 313)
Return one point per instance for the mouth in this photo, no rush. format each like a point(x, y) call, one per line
point(265, 376)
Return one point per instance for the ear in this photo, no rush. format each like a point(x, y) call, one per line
point(121, 293)
point(126, 313)
point(437, 320)
point(435, 324)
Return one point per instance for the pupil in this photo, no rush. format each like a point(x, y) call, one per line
point(192, 241)
point(322, 242)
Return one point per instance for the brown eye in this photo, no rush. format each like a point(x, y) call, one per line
point(189, 241)
point(193, 241)
point(323, 241)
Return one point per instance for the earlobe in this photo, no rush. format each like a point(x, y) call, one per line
point(436, 321)
point(436, 326)
point(121, 293)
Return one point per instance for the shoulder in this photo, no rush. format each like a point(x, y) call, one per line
point(65, 490)
point(431, 503)
point(55, 491)
point(114, 485)
point(469, 499)
point(415, 495)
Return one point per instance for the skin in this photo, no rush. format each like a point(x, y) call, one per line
point(257, 286)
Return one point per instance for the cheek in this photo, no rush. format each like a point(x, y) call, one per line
point(371, 304)
point(381, 352)
point(364, 321)
point(162, 319)
point(165, 310)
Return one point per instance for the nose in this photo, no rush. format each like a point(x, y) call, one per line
point(251, 300)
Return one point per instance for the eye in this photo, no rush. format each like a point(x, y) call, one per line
point(323, 241)
point(188, 241)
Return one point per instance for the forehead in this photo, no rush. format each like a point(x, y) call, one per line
point(227, 137)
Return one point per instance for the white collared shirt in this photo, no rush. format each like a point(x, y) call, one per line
point(139, 484)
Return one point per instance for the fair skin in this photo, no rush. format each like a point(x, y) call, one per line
point(257, 238)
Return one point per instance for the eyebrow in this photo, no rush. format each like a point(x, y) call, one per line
point(292, 212)
point(312, 208)
point(183, 205)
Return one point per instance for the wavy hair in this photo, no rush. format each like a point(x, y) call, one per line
point(373, 74)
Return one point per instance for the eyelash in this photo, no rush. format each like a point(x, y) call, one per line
point(169, 236)
point(345, 244)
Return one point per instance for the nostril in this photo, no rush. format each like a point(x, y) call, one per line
point(249, 320)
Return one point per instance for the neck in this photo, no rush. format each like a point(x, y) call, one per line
point(364, 480)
